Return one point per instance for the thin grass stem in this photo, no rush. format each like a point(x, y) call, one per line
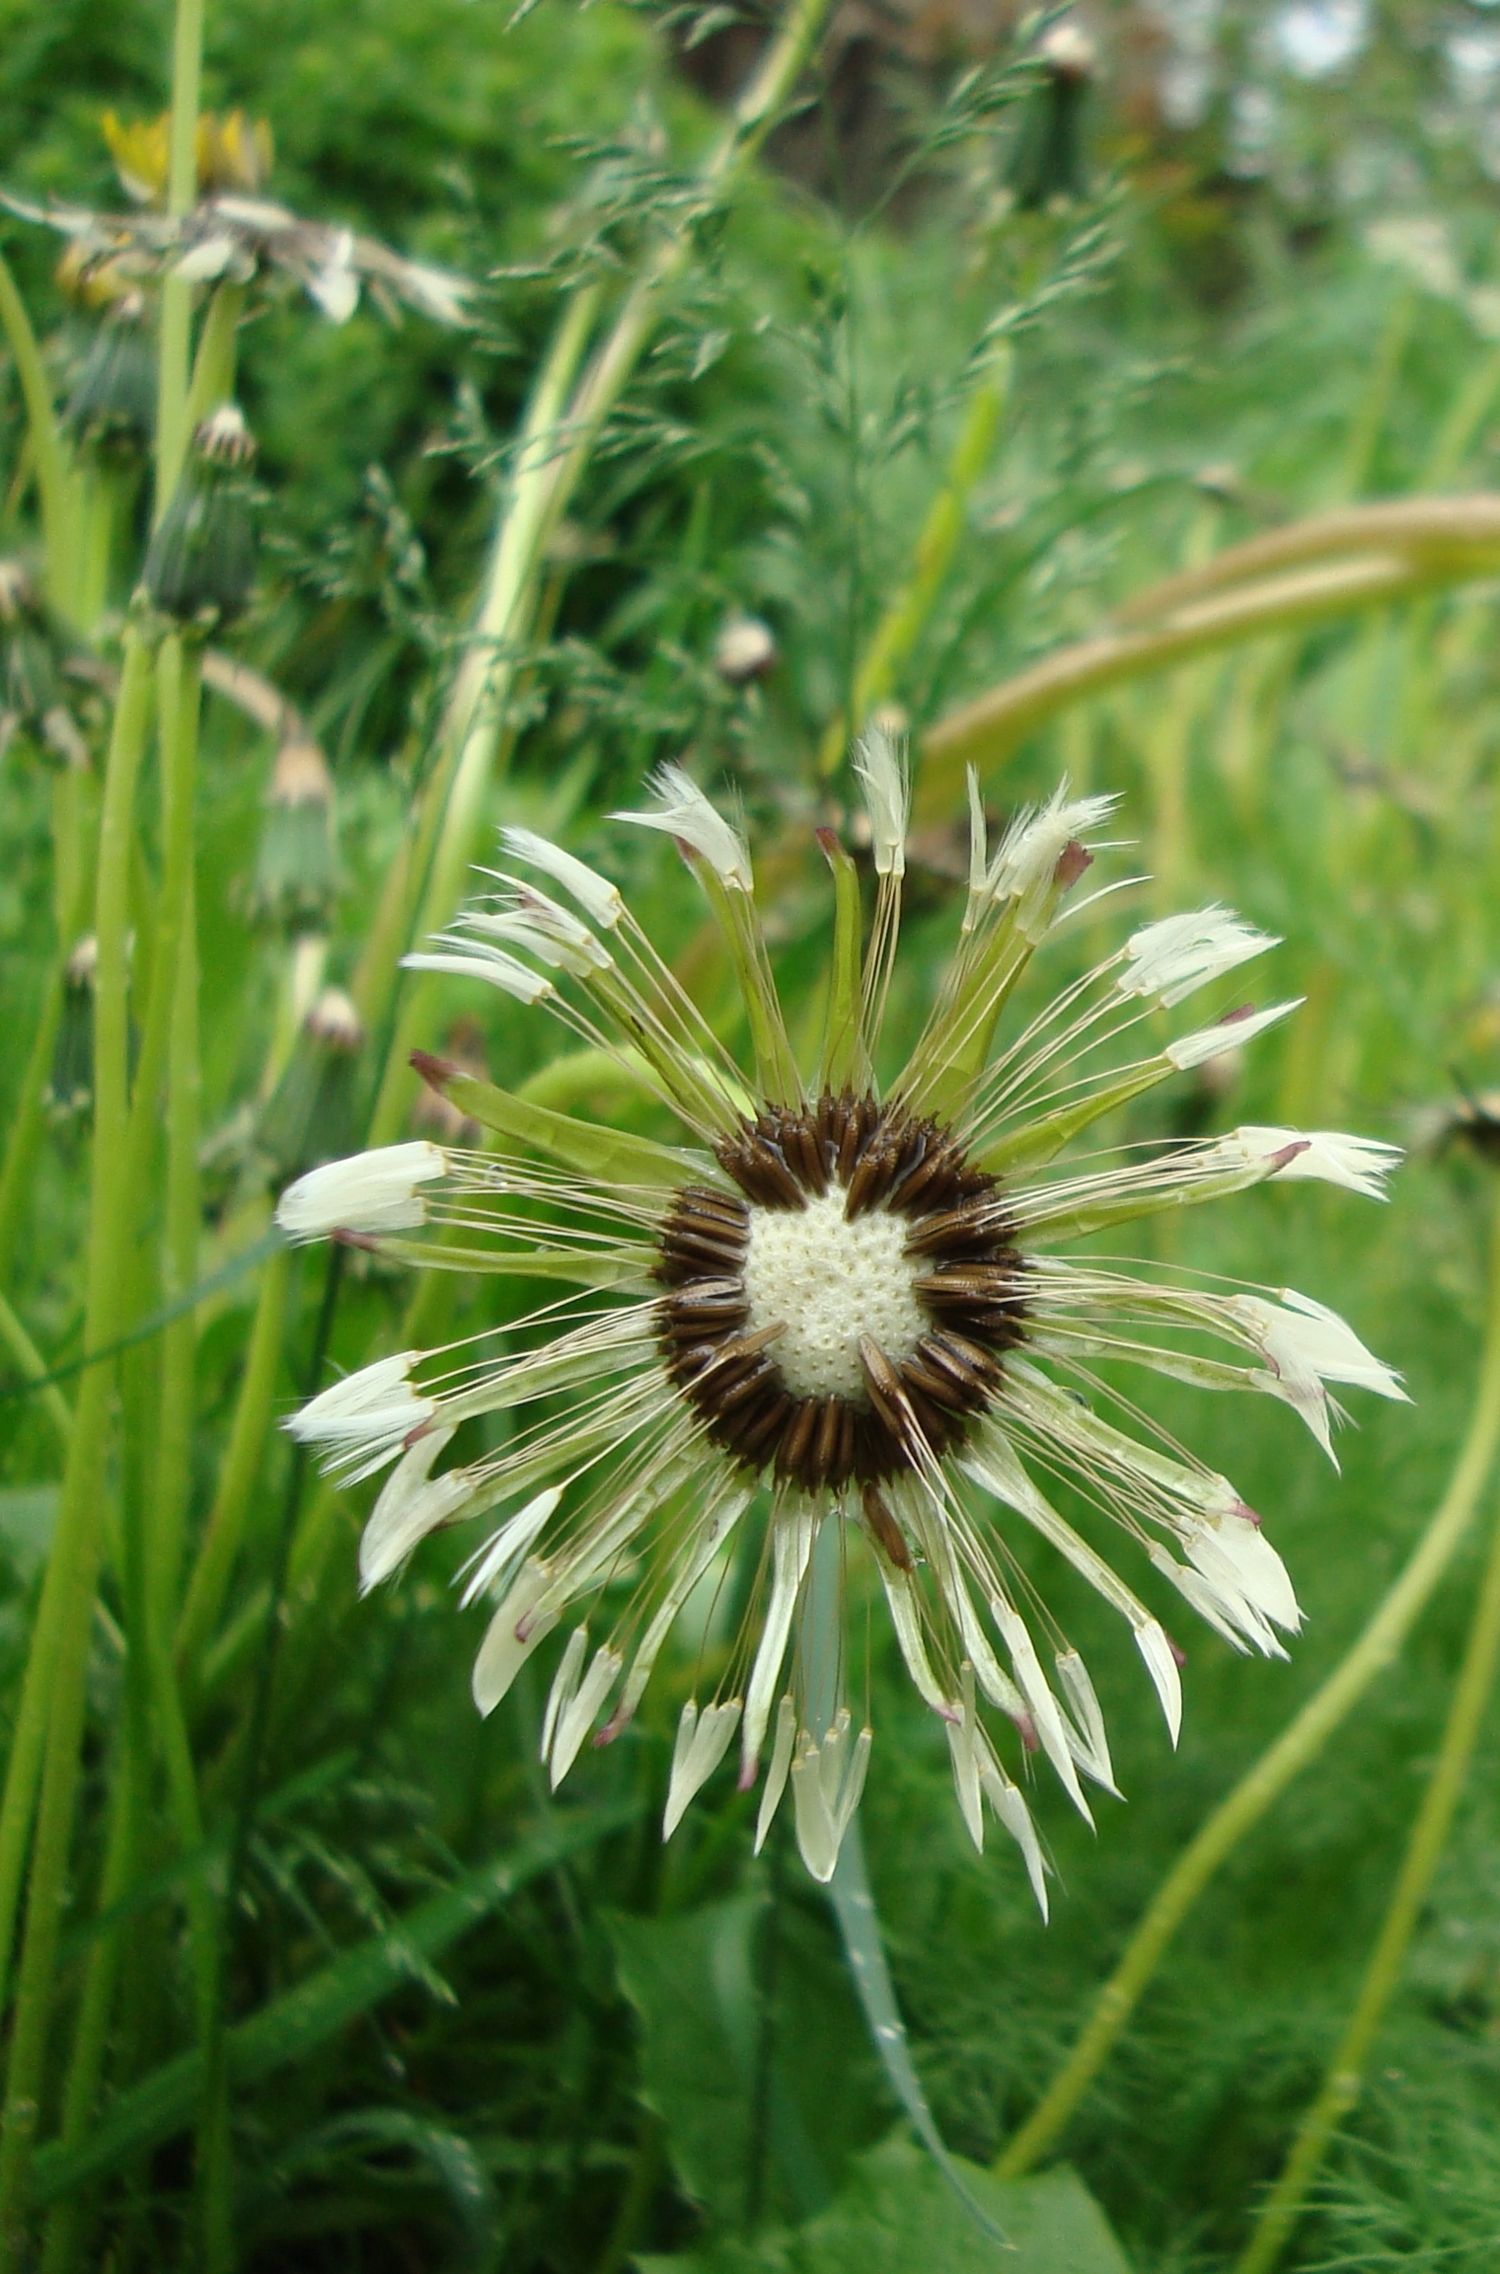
point(1297, 1747)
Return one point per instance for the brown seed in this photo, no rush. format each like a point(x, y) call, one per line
point(884, 1529)
point(795, 1450)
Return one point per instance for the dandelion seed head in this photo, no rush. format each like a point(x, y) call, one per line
point(841, 1304)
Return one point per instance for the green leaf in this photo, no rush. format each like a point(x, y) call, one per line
point(756, 2095)
point(897, 2215)
point(291, 2026)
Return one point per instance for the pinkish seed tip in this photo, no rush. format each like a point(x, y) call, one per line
point(1071, 863)
point(434, 1071)
point(1247, 1514)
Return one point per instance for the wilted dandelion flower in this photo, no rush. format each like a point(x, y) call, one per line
point(838, 1308)
point(232, 232)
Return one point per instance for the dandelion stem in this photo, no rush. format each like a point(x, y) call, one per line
point(54, 1691)
point(471, 723)
point(1298, 1745)
point(213, 364)
point(1344, 2079)
point(1332, 565)
point(48, 450)
point(170, 1049)
point(24, 1135)
point(67, 2226)
point(176, 293)
point(74, 877)
point(214, 2146)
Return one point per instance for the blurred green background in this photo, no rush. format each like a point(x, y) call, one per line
point(1270, 291)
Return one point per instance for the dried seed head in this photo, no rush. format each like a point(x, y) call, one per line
point(844, 1315)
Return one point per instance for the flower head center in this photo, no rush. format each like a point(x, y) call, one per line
point(837, 1310)
point(829, 1283)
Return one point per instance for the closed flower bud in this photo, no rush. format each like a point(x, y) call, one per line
point(311, 1114)
point(70, 1087)
point(201, 560)
point(1046, 160)
point(296, 870)
point(112, 409)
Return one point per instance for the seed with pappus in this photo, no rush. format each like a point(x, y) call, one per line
point(201, 561)
point(836, 1307)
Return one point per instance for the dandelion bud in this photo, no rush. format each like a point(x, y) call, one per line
point(744, 650)
point(112, 409)
point(1046, 161)
point(70, 1087)
point(311, 1114)
point(296, 867)
point(202, 556)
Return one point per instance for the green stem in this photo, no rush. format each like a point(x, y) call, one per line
point(214, 2144)
point(98, 494)
point(1298, 1745)
point(1334, 565)
point(67, 2226)
point(171, 1033)
point(988, 731)
point(60, 1637)
point(213, 365)
point(1344, 2080)
point(34, 1368)
point(473, 716)
point(48, 450)
point(179, 1338)
point(72, 880)
point(547, 475)
point(176, 294)
point(225, 1528)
